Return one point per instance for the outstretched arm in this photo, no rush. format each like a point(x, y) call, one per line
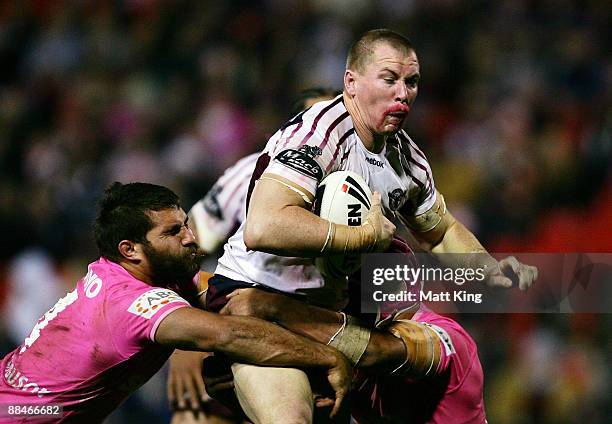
point(250, 340)
point(384, 352)
point(439, 231)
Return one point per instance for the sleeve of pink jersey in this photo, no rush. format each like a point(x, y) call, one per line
point(134, 315)
point(457, 349)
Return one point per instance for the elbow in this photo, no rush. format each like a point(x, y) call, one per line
point(255, 235)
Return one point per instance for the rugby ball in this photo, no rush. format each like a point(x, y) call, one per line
point(343, 197)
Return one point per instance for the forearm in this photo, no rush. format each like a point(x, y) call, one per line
point(457, 239)
point(255, 341)
point(243, 339)
point(384, 351)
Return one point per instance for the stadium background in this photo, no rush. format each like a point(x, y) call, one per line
point(514, 113)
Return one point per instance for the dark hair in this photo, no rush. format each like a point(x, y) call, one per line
point(361, 51)
point(299, 104)
point(123, 214)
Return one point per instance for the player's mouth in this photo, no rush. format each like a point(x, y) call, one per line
point(396, 114)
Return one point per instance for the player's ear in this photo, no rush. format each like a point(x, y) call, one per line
point(349, 82)
point(130, 250)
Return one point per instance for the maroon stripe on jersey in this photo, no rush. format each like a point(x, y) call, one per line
point(318, 118)
point(331, 128)
point(421, 167)
point(260, 166)
point(412, 144)
point(296, 129)
point(230, 197)
point(340, 141)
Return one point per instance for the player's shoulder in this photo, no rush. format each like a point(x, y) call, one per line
point(407, 144)
point(112, 280)
point(327, 117)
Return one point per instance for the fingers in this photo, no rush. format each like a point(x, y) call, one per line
point(234, 293)
point(525, 275)
point(530, 275)
point(376, 200)
point(340, 395)
point(192, 394)
point(201, 390)
point(179, 393)
point(171, 389)
point(383, 227)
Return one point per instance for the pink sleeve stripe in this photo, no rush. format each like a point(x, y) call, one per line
point(164, 315)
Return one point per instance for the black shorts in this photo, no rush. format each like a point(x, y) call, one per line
point(219, 287)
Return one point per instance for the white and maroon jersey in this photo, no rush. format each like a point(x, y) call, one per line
point(305, 150)
point(221, 210)
point(92, 349)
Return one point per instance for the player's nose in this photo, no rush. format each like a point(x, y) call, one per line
point(189, 237)
point(402, 92)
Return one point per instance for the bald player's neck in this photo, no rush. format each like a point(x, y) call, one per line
point(373, 142)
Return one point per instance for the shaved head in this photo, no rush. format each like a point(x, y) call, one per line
point(361, 51)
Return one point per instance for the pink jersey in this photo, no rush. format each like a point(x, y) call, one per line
point(92, 349)
point(454, 395)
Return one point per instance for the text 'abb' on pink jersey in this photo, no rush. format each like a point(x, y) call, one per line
point(93, 348)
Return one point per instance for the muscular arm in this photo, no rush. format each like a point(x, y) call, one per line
point(279, 222)
point(384, 351)
point(250, 340)
point(243, 339)
point(451, 236)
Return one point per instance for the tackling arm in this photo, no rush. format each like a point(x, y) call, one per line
point(250, 340)
point(243, 339)
point(403, 346)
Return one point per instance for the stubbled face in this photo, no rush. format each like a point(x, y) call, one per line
point(386, 89)
point(172, 253)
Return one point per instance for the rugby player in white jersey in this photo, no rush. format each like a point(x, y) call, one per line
point(214, 218)
point(359, 131)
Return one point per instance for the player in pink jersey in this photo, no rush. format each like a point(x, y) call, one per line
point(123, 319)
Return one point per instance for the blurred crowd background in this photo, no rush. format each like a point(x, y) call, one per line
point(514, 113)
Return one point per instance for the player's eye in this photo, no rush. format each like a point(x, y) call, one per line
point(412, 82)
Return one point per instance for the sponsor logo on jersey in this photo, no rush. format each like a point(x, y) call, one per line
point(397, 198)
point(301, 162)
point(18, 381)
point(148, 303)
point(375, 162)
point(211, 202)
point(311, 151)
